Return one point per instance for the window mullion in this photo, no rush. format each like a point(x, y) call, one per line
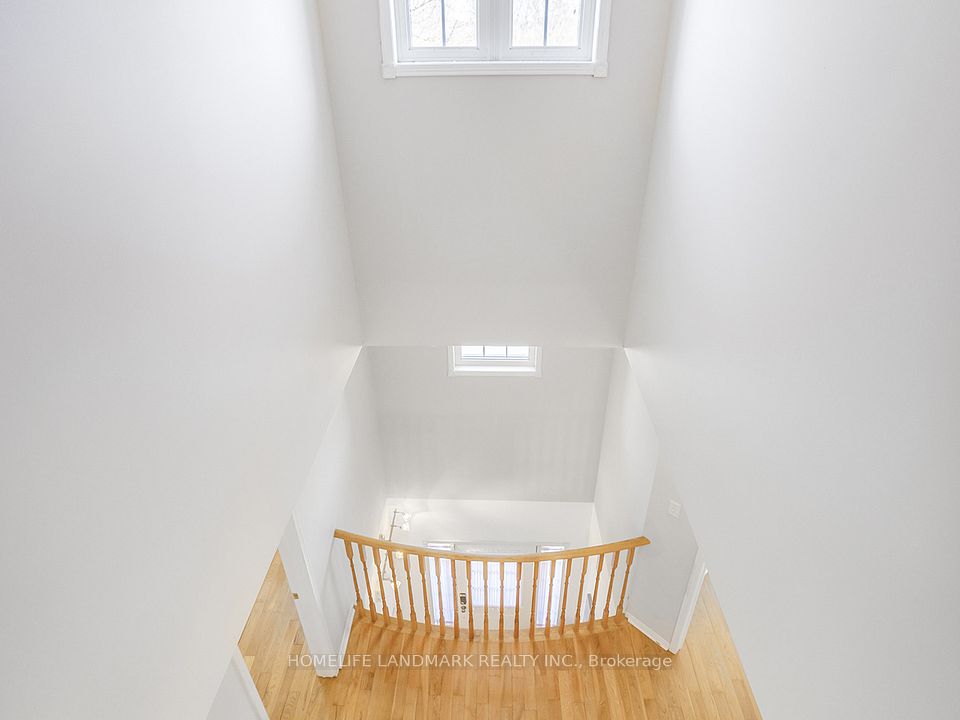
point(546, 20)
point(443, 22)
point(489, 25)
point(496, 17)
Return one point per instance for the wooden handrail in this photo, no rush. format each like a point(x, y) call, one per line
point(549, 611)
point(529, 557)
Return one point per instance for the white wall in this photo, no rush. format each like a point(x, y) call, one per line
point(633, 497)
point(494, 207)
point(346, 490)
point(662, 569)
point(494, 438)
point(177, 325)
point(628, 457)
point(522, 523)
point(795, 334)
point(320, 633)
point(237, 698)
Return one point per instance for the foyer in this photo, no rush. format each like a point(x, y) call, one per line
point(571, 677)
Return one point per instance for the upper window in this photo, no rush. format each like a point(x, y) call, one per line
point(432, 37)
point(494, 360)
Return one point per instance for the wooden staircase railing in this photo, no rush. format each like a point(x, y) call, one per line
point(429, 574)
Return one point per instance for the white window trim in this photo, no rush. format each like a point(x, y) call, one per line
point(492, 367)
point(520, 64)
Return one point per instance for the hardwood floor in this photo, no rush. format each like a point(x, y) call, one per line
point(491, 680)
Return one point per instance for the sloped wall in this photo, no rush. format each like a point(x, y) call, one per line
point(494, 209)
point(794, 330)
point(178, 323)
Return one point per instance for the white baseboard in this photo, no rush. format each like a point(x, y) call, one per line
point(690, 598)
point(345, 638)
point(653, 635)
point(329, 670)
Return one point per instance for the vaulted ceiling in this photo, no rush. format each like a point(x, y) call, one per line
point(493, 208)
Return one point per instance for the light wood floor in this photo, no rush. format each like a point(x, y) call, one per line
point(705, 680)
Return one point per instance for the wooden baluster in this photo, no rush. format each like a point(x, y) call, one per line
point(583, 574)
point(470, 596)
point(396, 588)
point(596, 588)
point(533, 603)
point(383, 595)
point(626, 577)
point(516, 603)
point(406, 567)
point(501, 599)
point(563, 602)
point(348, 546)
point(426, 600)
point(553, 570)
point(456, 600)
point(613, 575)
point(600, 608)
point(486, 598)
point(366, 579)
point(443, 624)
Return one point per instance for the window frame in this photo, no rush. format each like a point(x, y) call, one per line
point(459, 366)
point(493, 55)
point(408, 54)
point(582, 52)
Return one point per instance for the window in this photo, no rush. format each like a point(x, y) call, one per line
point(494, 360)
point(485, 37)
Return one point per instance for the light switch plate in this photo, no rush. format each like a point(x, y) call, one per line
point(674, 509)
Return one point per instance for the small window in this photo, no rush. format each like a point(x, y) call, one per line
point(484, 37)
point(494, 360)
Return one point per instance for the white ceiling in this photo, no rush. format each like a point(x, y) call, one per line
point(491, 438)
point(499, 209)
